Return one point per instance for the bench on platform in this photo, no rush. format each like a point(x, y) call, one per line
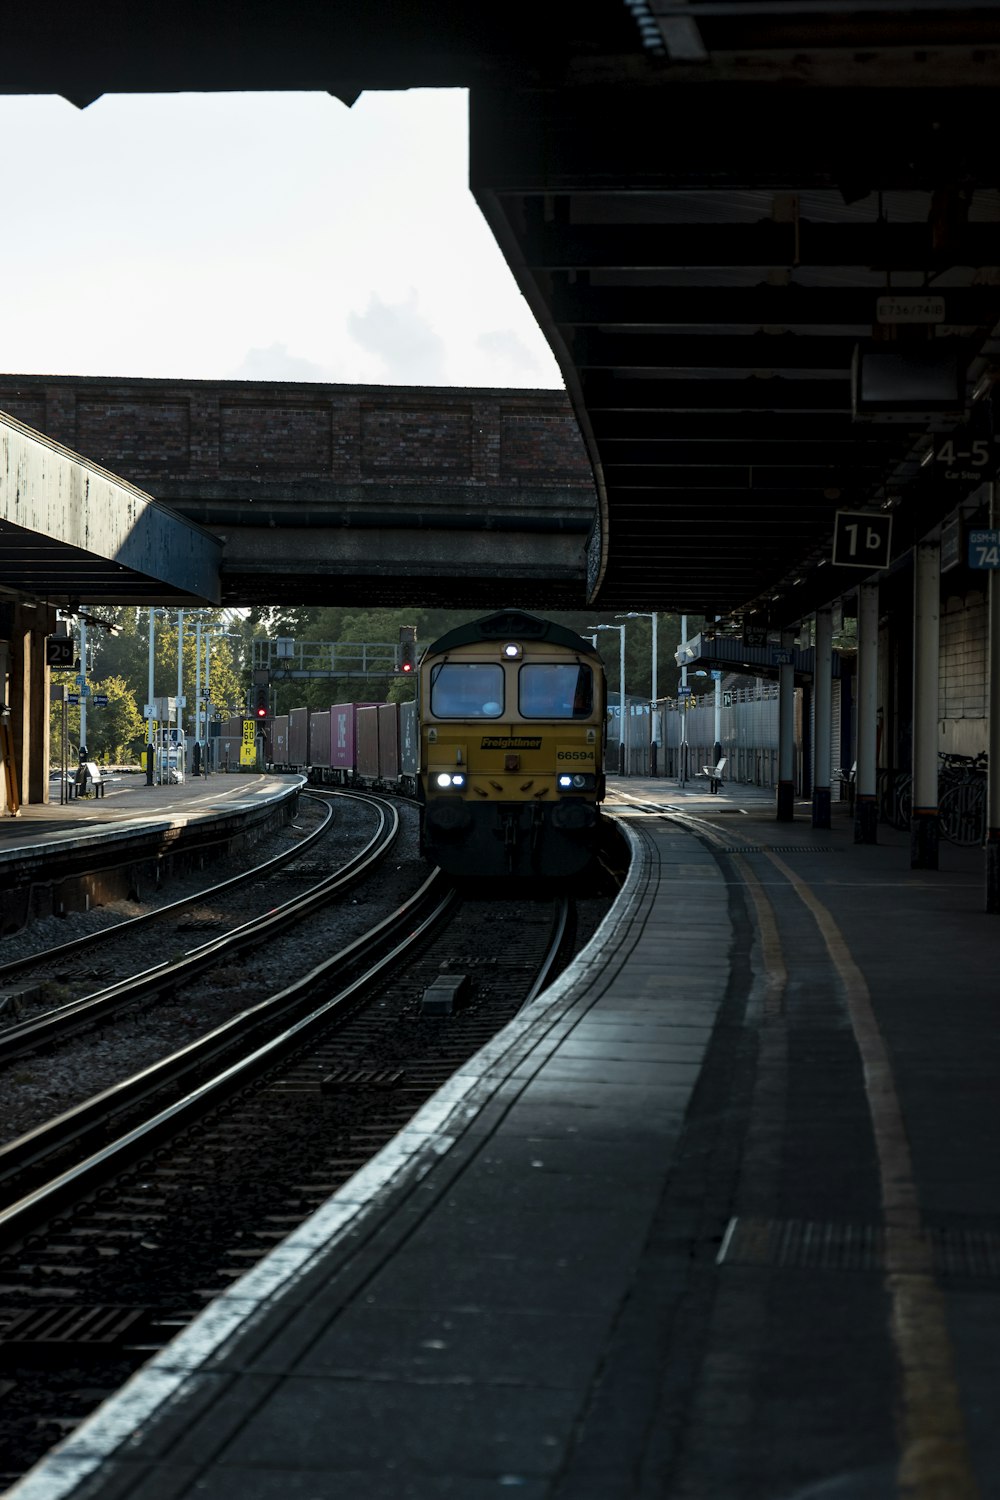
point(714, 774)
point(88, 777)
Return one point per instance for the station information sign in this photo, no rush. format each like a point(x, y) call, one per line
point(984, 547)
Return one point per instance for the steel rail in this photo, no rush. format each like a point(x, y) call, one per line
point(78, 1128)
point(76, 945)
point(54, 1025)
point(557, 940)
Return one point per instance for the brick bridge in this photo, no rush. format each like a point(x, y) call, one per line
point(347, 494)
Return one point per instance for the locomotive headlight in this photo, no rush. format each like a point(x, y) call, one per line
point(566, 781)
point(579, 781)
point(445, 779)
point(511, 651)
point(458, 779)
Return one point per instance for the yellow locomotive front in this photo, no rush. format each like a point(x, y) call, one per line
point(512, 716)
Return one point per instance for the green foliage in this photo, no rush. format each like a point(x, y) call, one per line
point(118, 665)
point(114, 732)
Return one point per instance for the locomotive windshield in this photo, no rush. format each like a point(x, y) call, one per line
point(555, 691)
point(467, 690)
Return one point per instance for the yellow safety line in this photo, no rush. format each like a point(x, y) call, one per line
point(934, 1460)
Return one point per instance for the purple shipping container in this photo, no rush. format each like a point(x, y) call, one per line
point(388, 742)
point(319, 739)
point(298, 737)
point(343, 734)
point(366, 759)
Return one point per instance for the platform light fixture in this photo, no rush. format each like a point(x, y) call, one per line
point(622, 760)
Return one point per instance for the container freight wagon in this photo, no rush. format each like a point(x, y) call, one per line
point(409, 747)
point(279, 742)
point(298, 738)
point(366, 744)
point(388, 743)
point(319, 742)
point(343, 740)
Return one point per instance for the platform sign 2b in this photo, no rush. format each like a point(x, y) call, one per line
point(862, 539)
point(60, 651)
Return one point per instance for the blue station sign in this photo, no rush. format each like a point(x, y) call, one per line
point(984, 548)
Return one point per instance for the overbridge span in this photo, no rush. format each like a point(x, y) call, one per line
point(359, 494)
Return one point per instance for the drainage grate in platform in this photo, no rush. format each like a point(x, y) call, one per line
point(72, 1325)
point(811, 1245)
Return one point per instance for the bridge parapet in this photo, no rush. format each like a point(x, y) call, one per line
point(284, 472)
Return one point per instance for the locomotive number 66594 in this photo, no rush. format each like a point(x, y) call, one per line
point(512, 713)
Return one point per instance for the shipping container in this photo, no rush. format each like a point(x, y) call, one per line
point(279, 741)
point(319, 739)
point(409, 744)
point(366, 743)
point(298, 737)
point(388, 743)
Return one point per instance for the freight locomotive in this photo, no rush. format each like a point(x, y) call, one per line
point(512, 723)
point(504, 748)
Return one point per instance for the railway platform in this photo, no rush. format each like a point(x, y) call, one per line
point(56, 857)
point(714, 1218)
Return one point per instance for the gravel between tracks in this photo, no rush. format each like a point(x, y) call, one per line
point(33, 1090)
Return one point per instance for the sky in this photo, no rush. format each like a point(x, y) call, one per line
point(256, 237)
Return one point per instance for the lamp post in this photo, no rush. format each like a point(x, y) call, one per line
point(83, 689)
point(622, 759)
point(150, 706)
point(211, 635)
point(642, 614)
point(180, 688)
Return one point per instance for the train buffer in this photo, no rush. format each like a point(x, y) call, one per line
point(714, 774)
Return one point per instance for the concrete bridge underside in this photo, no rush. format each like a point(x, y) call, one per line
point(341, 494)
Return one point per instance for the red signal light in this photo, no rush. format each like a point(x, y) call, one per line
point(261, 711)
point(407, 666)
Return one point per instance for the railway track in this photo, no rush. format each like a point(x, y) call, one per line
point(103, 1261)
point(45, 1029)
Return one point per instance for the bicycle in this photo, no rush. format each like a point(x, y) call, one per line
point(962, 804)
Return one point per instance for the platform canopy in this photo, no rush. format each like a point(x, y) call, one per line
point(70, 532)
point(761, 236)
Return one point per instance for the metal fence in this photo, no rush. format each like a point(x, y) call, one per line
point(685, 738)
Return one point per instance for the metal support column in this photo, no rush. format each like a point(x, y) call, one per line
point(993, 728)
point(866, 779)
point(786, 734)
point(822, 718)
point(926, 668)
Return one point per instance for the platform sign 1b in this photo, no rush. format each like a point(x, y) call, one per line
point(862, 539)
point(984, 547)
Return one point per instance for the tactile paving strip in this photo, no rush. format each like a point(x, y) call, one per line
point(808, 1244)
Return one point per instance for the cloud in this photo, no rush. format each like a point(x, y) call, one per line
point(411, 350)
point(275, 363)
point(509, 351)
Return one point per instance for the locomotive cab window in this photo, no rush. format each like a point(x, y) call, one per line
point(467, 690)
point(555, 691)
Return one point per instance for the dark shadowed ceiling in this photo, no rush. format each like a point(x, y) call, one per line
point(714, 209)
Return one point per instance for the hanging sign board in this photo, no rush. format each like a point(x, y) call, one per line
point(862, 539)
point(951, 543)
point(60, 650)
